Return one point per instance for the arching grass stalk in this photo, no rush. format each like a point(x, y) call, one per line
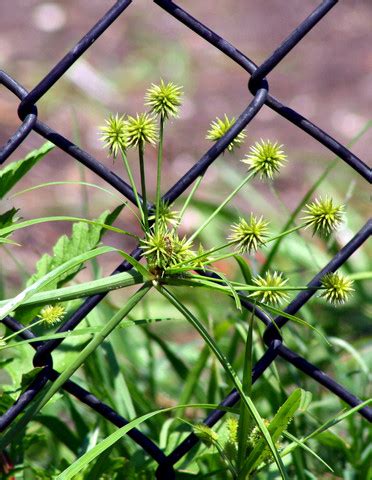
point(141, 155)
point(132, 184)
point(245, 417)
point(230, 373)
point(158, 173)
point(50, 315)
point(18, 427)
point(221, 206)
point(207, 253)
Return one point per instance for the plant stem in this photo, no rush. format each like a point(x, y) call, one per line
point(14, 334)
point(18, 427)
point(141, 152)
point(229, 371)
point(132, 184)
point(244, 417)
point(158, 173)
point(223, 204)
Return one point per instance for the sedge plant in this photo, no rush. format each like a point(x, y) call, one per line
point(176, 261)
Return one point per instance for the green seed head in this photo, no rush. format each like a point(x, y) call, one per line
point(52, 314)
point(164, 248)
point(323, 216)
point(141, 129)
point(219, 127)
point(265, 159)
point(337, 288)
point(164, 100)
point(114, 134)
point(270, 280)
point(205, 434)
point(249, 236)
point(232, 425)
point(166, 216)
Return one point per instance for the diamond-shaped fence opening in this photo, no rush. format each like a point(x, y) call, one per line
point(257, 79)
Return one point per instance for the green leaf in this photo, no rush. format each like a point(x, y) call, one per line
point(244, 268)
point(176, 362)
point(28, 377)
point(333, 441)
point(277, 426)
point(61, 431)
point(14, 171)
point(50, 277)
point(230, 372)
point(8, 218)
point(93, 453)
point(84, 237)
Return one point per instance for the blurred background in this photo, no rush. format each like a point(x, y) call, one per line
point(327, 78)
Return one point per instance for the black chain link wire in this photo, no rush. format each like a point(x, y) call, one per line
point(259, 88)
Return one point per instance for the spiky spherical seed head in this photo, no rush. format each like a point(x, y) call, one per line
point(166, 216)
point(141, 129)
point(155, 248)
point(164, 100)
point(181, 249)
point(164, 248)
point(270, 280)
point(337, 288)
point(205, 434)
point(323, 216)
point(52, 314)
point(265, 159)
point(219, 127)
point(249, 236)
point(114, 134)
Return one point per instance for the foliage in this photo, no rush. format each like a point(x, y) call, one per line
point(186, 278)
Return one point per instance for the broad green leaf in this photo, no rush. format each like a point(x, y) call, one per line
point(50, 277)
point(84, 238)
point(14, 171)
point(277, 426)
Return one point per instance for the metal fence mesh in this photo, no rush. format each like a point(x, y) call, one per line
point(259, 88)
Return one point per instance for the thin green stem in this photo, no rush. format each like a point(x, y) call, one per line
point(244, 417)
point(74, 365)
point(131, 181)
point(229, 371)
point(141, 154)
point(14, 334)
point(286, 232)
point(189, 198)
point(222, 205)
point(231, 254)
point(158, 173)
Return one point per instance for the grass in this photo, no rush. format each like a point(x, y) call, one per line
point(169, 344)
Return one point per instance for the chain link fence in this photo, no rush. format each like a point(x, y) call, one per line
point(259, 88)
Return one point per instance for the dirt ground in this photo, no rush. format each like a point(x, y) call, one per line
point(327, 78)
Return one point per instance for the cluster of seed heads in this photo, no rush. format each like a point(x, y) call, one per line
point(122, 132)
point(164, 248)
